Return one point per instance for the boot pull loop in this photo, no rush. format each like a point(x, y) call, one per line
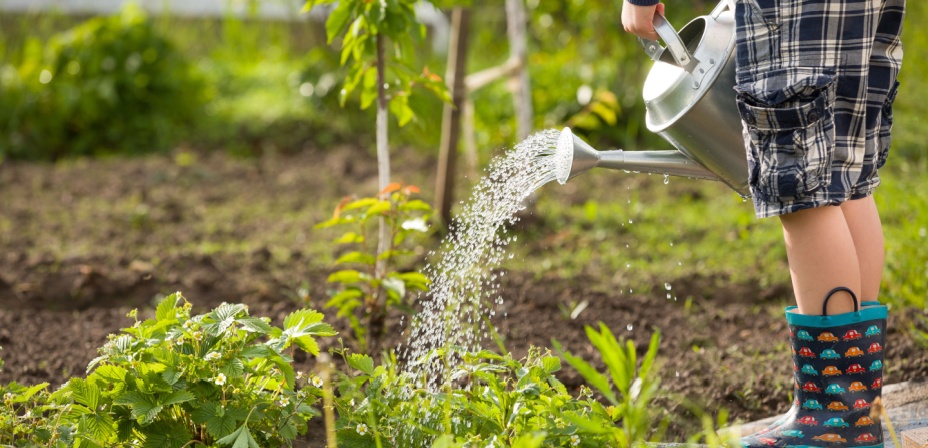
point(831, 293)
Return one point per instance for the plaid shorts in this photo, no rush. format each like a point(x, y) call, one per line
point(816, 81)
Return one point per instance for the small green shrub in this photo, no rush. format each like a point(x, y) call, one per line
point(364, 294)
point(110, 85)
point(217, 379)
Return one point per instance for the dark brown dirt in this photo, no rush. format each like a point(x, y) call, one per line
point(82, 243)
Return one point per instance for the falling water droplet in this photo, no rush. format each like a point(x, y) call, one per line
point(667, 286)
point(666, 179)
point(629, 327)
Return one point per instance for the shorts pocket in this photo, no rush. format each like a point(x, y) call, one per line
point(789, 118)
point(886, 125)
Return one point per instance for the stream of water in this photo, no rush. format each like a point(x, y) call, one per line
point(464, 274)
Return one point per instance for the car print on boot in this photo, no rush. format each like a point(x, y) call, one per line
point(877, 365)
point(814, 405)
point(861, 404)
point(837, 406)
point(811, 387)
point(865, 437)
point(834, 389)
point(875, 348)
point(855, 368)
point(804, 336)
point(830, 437)
point(853, 352)
point(831, 371)
point(877, 383)
point(857, 386)
point(806, 352)
point(809, 370)
point(873, 331)
point(837, 422)
point(827, 337)
point(852, 335)
point(793, 433)
point(829, 354)
point(863, 421)
point(768, 441)
point(808, 420)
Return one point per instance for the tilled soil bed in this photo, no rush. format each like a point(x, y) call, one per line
point(84, 242)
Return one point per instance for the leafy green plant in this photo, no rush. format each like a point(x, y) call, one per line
point(364, 294)
point(217, 379)
point(29, 419)
point(628, 388)
point(109, 85)
point(488, 400)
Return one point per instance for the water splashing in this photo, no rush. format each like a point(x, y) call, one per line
point(464, 272)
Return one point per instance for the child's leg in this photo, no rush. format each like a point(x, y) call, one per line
point(863, 221)
point(821, 253)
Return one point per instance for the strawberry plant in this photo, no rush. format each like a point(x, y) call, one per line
point(365, 292)
point(494, 400)
point(223, 378)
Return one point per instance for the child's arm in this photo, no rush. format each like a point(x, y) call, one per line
point(638, 17)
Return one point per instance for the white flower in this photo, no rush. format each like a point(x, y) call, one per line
point(317, 381)
point(198, 335)
point(211, 356)
point(299, 374)
point(220, 379)
point(416, 224)
point(179, 340)
point(574, 440)
point(362, 429)
point(284, 401)
point(351, 403)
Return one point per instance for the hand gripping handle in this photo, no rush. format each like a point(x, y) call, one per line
point(669, 35)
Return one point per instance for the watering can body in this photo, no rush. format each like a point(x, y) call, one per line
point(690, 100)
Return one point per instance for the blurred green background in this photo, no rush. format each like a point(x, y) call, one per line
point(134, 83)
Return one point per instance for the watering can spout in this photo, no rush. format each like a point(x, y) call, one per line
point(575, 157)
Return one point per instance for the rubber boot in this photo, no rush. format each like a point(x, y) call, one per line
point(789, 415)
point(840, 373)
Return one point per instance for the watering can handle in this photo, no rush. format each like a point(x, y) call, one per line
point(669, 35)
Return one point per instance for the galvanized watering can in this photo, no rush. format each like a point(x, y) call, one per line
point(690, 102)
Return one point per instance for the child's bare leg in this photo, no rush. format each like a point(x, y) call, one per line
point(863, 220)
point(821, 256)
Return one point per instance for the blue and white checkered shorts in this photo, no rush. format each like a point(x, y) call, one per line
point(816, 81)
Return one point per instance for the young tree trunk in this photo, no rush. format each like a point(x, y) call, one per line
point(455, 74)
point(379, 312)
point(518, 48)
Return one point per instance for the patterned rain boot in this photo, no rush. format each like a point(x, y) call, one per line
point(840, 373)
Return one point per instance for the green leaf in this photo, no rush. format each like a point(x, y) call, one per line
point(338, 19)
point(350, 238)
point(166, 434)
point(594, 378)
point(220, 421)
point(240, 438)
point(254, 325)
point(166, 308)
point(356, 257)
point(222, 318)
point(25, 395)
point(84, 393)
point(144, 408)
point(345, 276)
point(395, 285)
point(608, 115)
point(361, 362)
point(414, 280)
point(551, 364)
point(380, 208)
point(416, 205)
point(176, 397)
point(399, 106)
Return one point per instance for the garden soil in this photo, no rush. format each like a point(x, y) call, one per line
point(83, 242)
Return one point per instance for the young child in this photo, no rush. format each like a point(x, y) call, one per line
point(815, 84)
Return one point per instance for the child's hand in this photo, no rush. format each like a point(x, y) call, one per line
point(639, 20)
